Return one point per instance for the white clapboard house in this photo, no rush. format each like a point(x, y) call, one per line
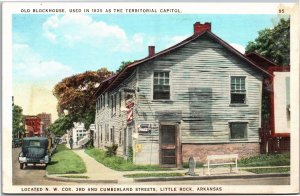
point(199, 97)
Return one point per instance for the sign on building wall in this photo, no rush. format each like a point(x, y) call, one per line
point(144, 128)
point(138, 147)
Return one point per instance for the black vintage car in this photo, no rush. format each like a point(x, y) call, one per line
point(35, 150)
point(16, 142)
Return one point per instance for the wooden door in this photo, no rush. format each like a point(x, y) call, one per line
point(168, 147)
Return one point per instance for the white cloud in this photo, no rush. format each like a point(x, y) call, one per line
point(73, 29)
point(178, 38)
point(34, 78)
point(28, 64)
point(238, 47)
point(164, 42)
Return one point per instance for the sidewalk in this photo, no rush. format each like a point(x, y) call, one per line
point(98, 173)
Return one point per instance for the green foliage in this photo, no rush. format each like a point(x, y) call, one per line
point(18, 127)
point(141, 175)
point(76, 99)
point(130, 154)
point(269, 170)
point(88, 118)
point(65, 161)
point(274, 43)
point(124, 64)
point(118, 163)
point(111, 150)
point(89, 144)
point(266, 160)
point(265, 108)
point(62, 124)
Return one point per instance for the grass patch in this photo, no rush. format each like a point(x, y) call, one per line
point(141, 175)
point(266, 160)
point(65, 161)
point(74, 176)
point(120, 164)
point(269, 170)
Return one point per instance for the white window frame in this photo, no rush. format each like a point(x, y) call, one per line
point(170, 84)
point(246, 88)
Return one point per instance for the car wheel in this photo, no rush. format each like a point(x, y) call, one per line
point(21, 165)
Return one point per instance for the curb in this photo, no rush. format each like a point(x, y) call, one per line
point(153, 179)
point(62, 179)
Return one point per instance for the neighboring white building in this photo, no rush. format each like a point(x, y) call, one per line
point(282, 115)
point(78, 132)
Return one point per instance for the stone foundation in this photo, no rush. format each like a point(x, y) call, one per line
point(200, 151)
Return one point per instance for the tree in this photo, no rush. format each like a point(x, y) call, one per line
point(76, 100)
point(274, 43)
point(124, 64)
point(18, 128)
point(62, 124)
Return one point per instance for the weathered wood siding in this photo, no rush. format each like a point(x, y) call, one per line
point(200, 100)
point(200, 94)
point(105, 119)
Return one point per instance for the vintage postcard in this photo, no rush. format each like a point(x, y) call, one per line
point(150, 98)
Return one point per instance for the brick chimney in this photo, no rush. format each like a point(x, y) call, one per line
point(199, 28)
point(151, 51)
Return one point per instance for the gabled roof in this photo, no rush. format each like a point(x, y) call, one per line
point(104, 84)
point(266, 64)
point(119, 77)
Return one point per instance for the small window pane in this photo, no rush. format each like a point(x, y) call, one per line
point(238, 130)
point(238, 98)
point(161, 81)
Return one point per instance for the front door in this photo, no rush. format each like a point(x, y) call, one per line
point(168, 140)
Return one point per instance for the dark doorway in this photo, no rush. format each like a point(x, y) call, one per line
point(168, 147)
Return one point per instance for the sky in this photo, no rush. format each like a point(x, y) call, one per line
point(48, 48)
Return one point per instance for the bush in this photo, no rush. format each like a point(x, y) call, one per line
point(111, 150)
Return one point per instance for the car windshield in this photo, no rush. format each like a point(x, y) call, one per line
point(34, 143)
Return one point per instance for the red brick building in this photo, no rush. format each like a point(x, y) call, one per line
point(46, 121)
point(32, 126)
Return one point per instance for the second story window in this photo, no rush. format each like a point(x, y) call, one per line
point(238, 90)
point(161, 85)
